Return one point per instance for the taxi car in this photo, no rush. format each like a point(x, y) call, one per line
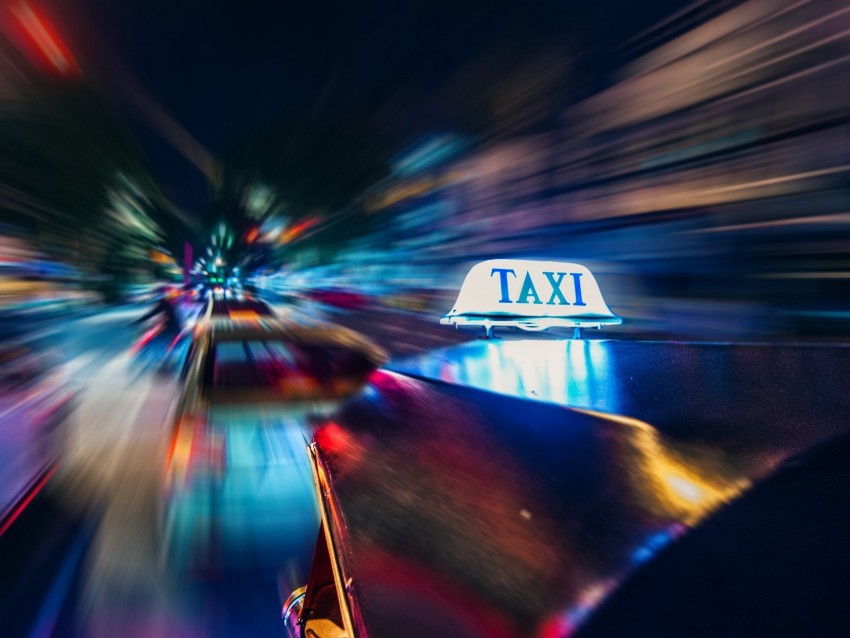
point(571, 487)
point(238, 482)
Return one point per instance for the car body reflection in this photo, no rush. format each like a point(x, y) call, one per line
point(473, 506)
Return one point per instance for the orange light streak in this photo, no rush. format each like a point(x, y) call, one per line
point(45, 38)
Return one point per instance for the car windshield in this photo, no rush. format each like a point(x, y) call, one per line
point(269, 364)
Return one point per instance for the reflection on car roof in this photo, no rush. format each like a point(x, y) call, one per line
point(464, 512)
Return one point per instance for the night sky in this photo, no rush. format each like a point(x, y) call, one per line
point(228, 70)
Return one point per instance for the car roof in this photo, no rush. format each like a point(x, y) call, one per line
point(460, 511)
point(324, 344)
point(767, 564)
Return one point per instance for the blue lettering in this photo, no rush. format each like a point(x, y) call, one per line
point(556, 288)
point(577, 285)
point(528, 291)
point(503, 282)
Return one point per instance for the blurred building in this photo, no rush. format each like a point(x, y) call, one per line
point(710, 181)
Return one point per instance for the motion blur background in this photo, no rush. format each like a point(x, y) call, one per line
point(694, 155)
point(349, 162)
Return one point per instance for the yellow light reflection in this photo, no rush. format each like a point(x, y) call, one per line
point(243, 315)
point(681, 480)
point(181, 452)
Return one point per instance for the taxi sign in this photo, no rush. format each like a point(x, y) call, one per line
point(531, 295)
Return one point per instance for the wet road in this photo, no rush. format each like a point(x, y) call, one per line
point(87, 555)
point(92, 555)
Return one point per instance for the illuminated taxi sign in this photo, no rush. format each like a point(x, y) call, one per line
point(531, 295)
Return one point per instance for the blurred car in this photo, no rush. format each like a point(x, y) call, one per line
point(35, 404)
point(572, 487)
point(238, 488)
point(163, 342)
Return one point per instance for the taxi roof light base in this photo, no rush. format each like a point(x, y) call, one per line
point(530, 295)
